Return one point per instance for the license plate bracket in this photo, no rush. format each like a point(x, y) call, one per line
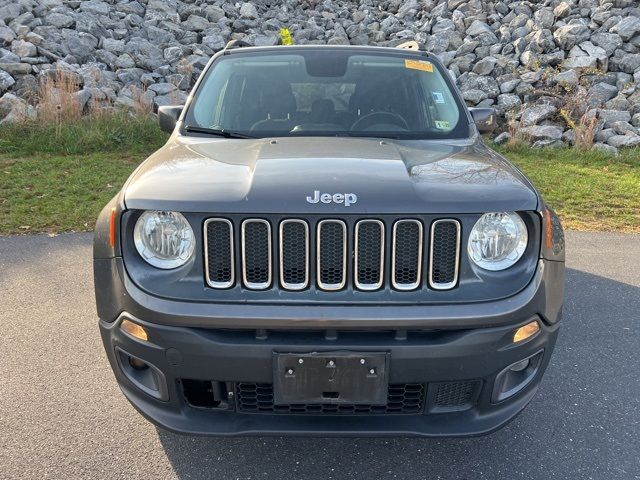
point(340, 377)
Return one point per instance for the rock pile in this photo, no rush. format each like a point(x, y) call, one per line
point(559, 70)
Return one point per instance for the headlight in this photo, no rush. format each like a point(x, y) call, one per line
point(497, 240)
point(164, 239)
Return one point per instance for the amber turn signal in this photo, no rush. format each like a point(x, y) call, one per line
point(133, 329)
point(526, 331)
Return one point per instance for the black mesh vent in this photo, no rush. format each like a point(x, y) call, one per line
point(451, 396)
point(257, 262)
point(369, 251)
point(444, 253)
point(407, 254)
point(294, 254)
point(331, 262)
point(401, 399)
point(219, 253)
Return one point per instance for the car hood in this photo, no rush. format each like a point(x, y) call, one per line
point(277, 175)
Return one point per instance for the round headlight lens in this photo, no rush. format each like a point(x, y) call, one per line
point(497, 240)
point(164, 239)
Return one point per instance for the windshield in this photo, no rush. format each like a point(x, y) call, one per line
point(327, 92)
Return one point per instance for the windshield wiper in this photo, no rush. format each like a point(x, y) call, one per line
point(215, 131)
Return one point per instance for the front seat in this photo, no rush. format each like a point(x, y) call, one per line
point(278, 108)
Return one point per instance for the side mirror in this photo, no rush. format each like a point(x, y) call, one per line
point(484, 118)
point(168, 116)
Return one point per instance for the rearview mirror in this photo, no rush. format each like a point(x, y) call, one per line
point(484, 118)
point(168, 116)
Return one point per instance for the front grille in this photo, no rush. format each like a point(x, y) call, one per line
point(332, 254)
point(369, 254)
point(445, 253)
point(329, 254)
point(401, 399)
point(256, 254)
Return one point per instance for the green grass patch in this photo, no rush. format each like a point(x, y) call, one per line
point(589, 190)
point(116, 132)
point(53, 194)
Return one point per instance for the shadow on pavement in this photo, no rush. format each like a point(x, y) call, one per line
point(583, 423)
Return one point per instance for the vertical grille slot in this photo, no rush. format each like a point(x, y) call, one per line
point(256, 254)
point(332, 254)
point(369, 254)
point(445, 254)
point(406, 256)
point(294, 254)
point(218, 252)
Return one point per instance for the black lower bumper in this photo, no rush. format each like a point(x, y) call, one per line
point(464, 363)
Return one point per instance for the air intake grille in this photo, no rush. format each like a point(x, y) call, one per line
point(454, 396)
point(219, 252)
point(332, 249)
point(401, 399)
point(407, 254)
point(445, 253)
point(332, 254)
point(369, 254)
point(294, 254)
point(256, 254)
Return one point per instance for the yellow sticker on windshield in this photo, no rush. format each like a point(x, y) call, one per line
point(442, 125)
point(419, 65)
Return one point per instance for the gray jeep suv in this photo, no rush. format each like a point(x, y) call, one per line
point(326, 246)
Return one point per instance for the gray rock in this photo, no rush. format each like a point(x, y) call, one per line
point(610, 42)
point(6, 35)
point(625, 62)
point(474, 96)
point(485, 66)
point(174, 98)
point(248, 10)
point(627, 28)
point(472, 81)
point(610, 116)
point(94, 7)
point(602, 147)
point(536, 114)
point(16, 68)
point(504, 137)
point(605, 134)
point(59, 20)
point(569, 35)
point(624, 141)
point(508, 102)
point(623, 128)
point(24, 49)
point(163, 88)
point(542, 132)
point(587, 55)
point(635, 120)
point(563, 9)
point(196, 23)
point(15, 109)
point(6, 81)
point(548, 143)
point(569, 78)
point(601, 93)
point(214, 42)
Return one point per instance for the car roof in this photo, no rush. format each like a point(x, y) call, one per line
point(240, 48)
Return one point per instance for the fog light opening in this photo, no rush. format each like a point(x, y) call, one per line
point(520, 366)
point(137, 364)
point(526, 331)
point(133, 329)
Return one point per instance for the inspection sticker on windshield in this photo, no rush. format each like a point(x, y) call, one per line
point(438, 97)
point(442, 125)
point(419, 65)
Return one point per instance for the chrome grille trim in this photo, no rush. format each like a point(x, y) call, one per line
point(252, 285)
point(232, 280)
point(416, 284)
point(452, 284)
point(378, 284)
point(331, 286)
point(294, 286)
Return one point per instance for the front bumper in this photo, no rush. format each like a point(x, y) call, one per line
point(465, 347)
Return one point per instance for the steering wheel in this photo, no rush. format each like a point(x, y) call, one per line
point(379, 117)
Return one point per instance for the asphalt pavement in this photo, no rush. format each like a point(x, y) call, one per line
point(63, 416)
